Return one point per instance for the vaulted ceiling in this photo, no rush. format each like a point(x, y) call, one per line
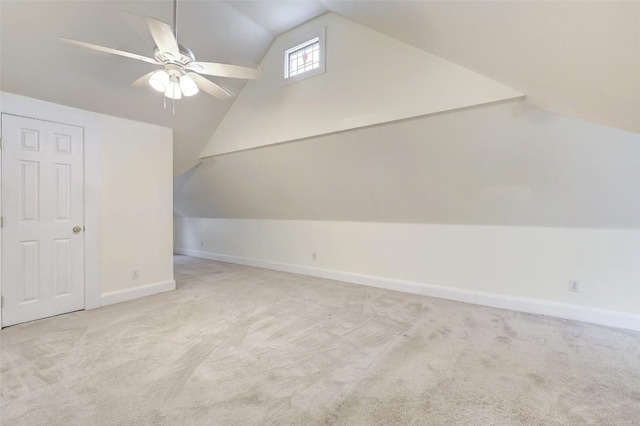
point(575, 58)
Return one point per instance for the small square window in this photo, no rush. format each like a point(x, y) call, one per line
point(305, 59)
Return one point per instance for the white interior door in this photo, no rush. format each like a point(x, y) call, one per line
point(42, 202)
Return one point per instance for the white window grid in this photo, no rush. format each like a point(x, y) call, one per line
point(304, 57)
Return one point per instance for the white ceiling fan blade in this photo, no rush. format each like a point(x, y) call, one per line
point(143, 81)
point(110, 50)
point(163, 36)
point(225, 70)
point(210, 87)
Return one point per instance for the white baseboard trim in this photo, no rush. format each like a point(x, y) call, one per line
point(136, 292)
point(533, 306)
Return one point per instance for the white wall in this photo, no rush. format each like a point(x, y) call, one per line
point(128, 200)
point(137, 203)
point(371, 78)
point(500, 164)
point(522, 268)
point(501, 205)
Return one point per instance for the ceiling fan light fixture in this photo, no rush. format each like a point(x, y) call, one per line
point(173, 90)
point(159, 80)
point(181, 74)
point(188, 86)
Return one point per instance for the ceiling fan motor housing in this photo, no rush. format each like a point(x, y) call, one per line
point(186, 56)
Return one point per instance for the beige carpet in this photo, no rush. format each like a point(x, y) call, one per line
point(238, 345)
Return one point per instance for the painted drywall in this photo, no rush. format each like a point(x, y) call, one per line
point(502, 199)
point(100, 82)
point(128, 200)
point(520, 262)
point(571, 57)
point(29, 107)
point(370, 78)
point(502, 164)
point(137, 222)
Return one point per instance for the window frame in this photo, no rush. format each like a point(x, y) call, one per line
point(298, 43)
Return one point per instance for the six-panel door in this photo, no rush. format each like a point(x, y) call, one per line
point(42, 201)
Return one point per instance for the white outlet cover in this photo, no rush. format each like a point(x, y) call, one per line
point(574, 286)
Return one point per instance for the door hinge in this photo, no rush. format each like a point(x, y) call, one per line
point(0, 143)
point(1, 301)
point(1, 222)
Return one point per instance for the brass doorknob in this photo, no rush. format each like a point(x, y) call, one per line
point(76, 229)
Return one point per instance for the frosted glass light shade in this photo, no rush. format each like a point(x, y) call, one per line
point(188, 86)
point(173, 90)
point(159, 80)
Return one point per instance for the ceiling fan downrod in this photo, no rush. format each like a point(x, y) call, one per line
point(175, 19)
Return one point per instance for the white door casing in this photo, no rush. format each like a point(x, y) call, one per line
point(42, 201)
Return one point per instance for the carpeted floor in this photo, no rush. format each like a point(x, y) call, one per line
point(239, 345)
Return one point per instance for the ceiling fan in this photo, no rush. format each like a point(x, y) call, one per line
point(180, 73)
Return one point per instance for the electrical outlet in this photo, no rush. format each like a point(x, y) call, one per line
point(313, 255)
point(135, 274)
point(574, 286)
point(201, 243)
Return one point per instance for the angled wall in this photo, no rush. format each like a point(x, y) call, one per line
point(502, 205)
point(370, 79)
point(493, 202)
point(502, 164)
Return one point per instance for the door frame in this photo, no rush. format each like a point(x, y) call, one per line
point(40, 110)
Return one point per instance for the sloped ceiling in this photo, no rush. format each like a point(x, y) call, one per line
point(35, 63)
point(576, 58)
